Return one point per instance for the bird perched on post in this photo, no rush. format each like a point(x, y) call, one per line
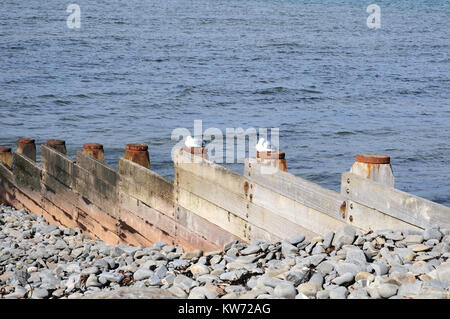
point(194, 142)
point(264, 146)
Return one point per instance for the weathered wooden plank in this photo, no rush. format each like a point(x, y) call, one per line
point(388, 200)
point(27, 173)
point(205, 229)
point(243, 205)
point(366, 218)
point(58, 165)
point(144, 182)
point(210, 171)
point(100, 170)
point(55, 215)
point(149, 187)
point(298, 189)
point(214, 214)
point(6, 175)
point(95, 190)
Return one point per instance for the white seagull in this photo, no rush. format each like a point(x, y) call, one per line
point(194, 142)
point(263, 146)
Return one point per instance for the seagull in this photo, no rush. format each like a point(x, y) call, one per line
point(263, 146)
point(194, 142)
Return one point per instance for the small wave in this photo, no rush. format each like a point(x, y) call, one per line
point(62, 102)
point(345, 133)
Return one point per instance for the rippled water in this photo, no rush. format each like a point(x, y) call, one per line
point(138, 69)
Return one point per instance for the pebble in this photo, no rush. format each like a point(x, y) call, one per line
point(285, 290)
point(63, 263)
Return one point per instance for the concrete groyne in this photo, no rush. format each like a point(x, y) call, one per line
point(207, 205)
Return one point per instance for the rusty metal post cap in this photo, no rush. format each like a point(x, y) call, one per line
point(5, 149)
point(271, 155)
point(373, 159)
point(137, 147)
point(92, 146)
point(24, 140)
point(56, 142)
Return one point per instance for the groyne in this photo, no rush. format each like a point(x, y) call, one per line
point(206, 205)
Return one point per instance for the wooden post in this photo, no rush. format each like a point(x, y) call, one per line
point(200, 151)
point(27, 147)
point(58, 145)
point(138, 153)
point(95, 150)
point(374, 167)
point(6, 156)
point(276, 159)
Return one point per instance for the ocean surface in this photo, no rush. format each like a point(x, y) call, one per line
point(136, 70)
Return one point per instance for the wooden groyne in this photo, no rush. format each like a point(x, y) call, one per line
point(207, 205)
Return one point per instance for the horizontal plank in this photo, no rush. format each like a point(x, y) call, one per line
point(144, 181)
point(214, 214)
point(6, 175)
point(95, 190)
point(298, 189)
point(205, 229)
point(409, 208)
point(100, 170)
point(210, 171)
point(241, 205)
point(366, 218)
point(27, 173)
point(58, 165)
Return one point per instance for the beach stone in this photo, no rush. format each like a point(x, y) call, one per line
point(177, 291)
point(325, 268)
point(19, 292)
point(345, 267)
point(269, 281)
point(443, 272)
point(39, 293)
point(161, 271)
point(323, 294)
point(309, 289)
point(296, 240)
point(393, 236)
point(287, 248)
point(339, 293)
point(179, 263)
point(380, 269)
point(285, 290)
point(358, 294)
point(252, 249)
point(199, 269)
point(233, 275)
point(419, 248)
point(355, 255)
point(410, 289)
point(92, 281)
point(387, 290)
point(327, 240)
point(345, 235)
point(414, 239)
point(142, 274)
point(107, 277)
point(201, 293)
point(192, 254)
point(317, 279)
point(295, 277)
point(90, 270)
point(432, 233)
point(343, 279)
